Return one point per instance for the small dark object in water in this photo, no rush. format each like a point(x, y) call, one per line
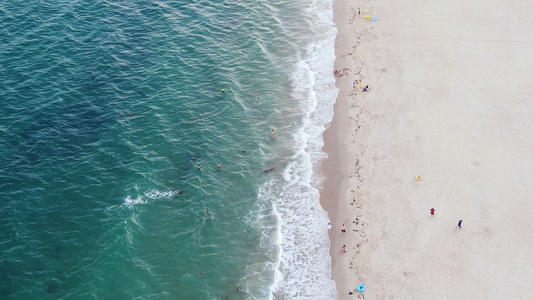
point(181, 192)
point(52, 288)
point(268, 170)
point(243, 151)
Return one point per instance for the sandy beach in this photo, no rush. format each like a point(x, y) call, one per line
point(449, 99)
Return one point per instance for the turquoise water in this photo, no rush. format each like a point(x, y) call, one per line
point(107, 110)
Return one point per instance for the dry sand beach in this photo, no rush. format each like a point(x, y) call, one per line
point(450, 99)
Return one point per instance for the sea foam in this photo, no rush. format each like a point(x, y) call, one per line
point(304, 267)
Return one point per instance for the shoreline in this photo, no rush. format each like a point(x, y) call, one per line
point(342, 141)
point(449, 101)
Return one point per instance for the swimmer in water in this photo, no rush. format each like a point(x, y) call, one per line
point(272, 133)
point(199, 167)
point(268, 170)
point(219, 165)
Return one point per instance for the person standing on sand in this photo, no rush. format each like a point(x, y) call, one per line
point(459, 224)
point(329, 227)
point(344, 249)
point(432, 210)
point(343, 228)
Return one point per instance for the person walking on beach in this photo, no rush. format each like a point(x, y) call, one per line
point(329, 227)
point(344, 249)
point(343, 228)
point(459, 224)
point(432, 210)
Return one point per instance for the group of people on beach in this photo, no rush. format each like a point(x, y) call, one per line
point(343, 230)
point(432, 212)
point(339, 73)
point(343, 227)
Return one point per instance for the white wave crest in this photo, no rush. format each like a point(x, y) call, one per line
point(304, 268)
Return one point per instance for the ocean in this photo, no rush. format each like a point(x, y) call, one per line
point(114, 117)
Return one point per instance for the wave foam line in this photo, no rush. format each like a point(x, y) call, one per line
point(304, 268)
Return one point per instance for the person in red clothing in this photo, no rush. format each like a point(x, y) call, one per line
point(432, 210)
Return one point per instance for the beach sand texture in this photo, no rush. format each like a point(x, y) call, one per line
point(450, 99)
